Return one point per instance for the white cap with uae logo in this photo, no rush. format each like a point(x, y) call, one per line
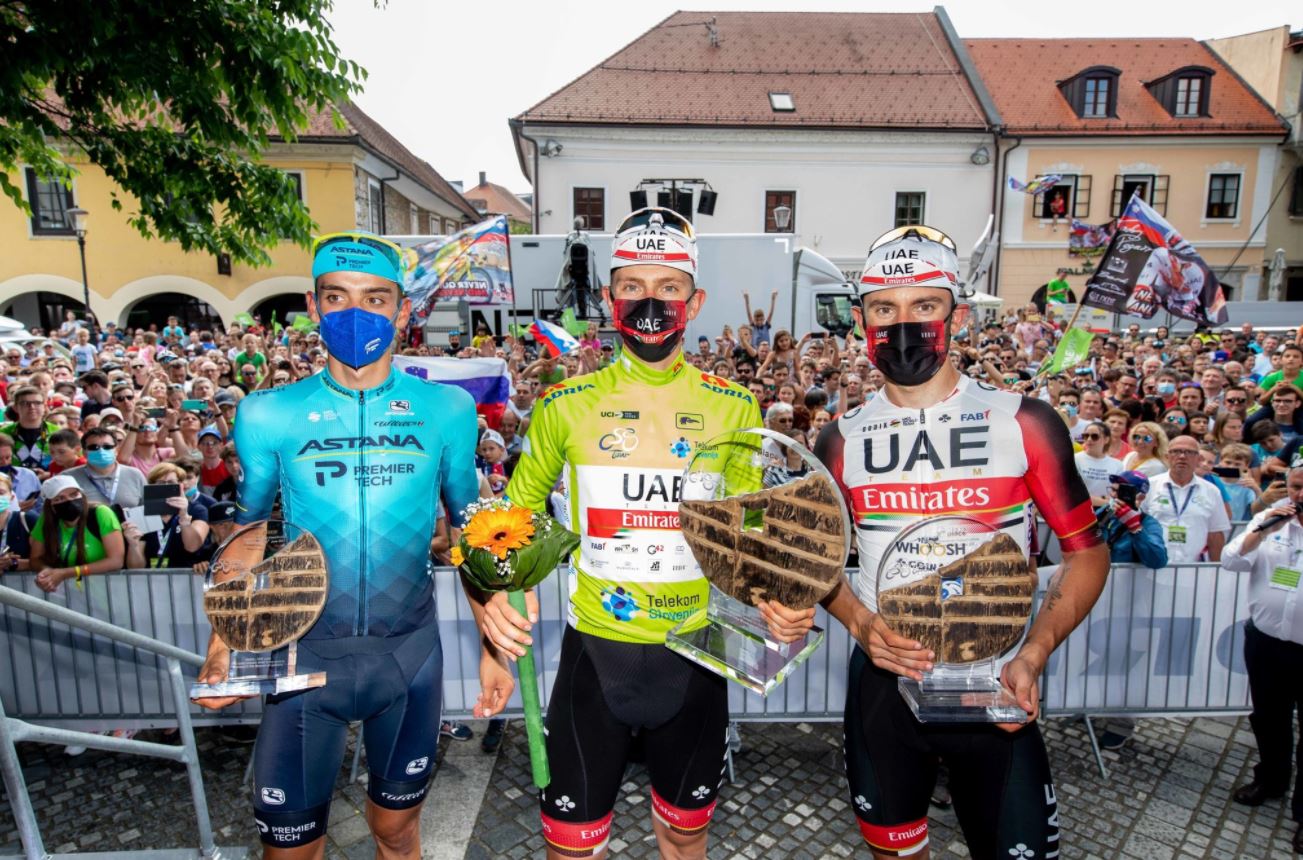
point(658, 237)
point(914, 256)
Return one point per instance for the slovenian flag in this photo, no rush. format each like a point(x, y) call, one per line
point(557, 340)
point(487, 379)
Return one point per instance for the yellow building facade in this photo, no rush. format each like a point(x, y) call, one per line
point(358, 177)
point(1033, 247)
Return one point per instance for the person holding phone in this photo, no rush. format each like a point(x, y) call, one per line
point(15, 530)
point(1269, 550)
point(183, 533)
point(73, 537)
point(140, 448)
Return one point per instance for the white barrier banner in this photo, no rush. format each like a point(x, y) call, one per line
point(1169, 640)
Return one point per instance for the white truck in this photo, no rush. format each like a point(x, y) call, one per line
point(813, 294)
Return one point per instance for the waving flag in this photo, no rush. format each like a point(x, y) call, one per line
point(474, 265)
point(486, 379)
point(1149, 265)
point(557, 340)
point(1039, 185)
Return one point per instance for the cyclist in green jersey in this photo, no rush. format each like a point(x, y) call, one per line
point(623, 436)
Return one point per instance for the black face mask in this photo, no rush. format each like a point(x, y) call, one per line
point(69, 511)
point(909, 353)
point(651, 328)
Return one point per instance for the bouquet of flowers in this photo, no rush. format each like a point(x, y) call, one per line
point(505, 547)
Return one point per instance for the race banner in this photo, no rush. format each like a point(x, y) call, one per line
point(1036, 186)
point(486, 379)
point(474, 265)
point(1149, 266)
point(1089, 240)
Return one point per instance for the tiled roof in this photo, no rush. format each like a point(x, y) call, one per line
point(846, 70)
point(1022, 77)
point(361, 128)
point(499, 201)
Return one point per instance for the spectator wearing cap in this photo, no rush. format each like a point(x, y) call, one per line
point(221, 525)
point(74, 537)
point(181, 535)
point(103, 479)
point(1189, 509)
point(15, 530)
point(492, 456)
point(212, 469)
point(226, 403)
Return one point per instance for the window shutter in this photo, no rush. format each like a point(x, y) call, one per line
point(1159, 197)
point(1118, 202)
point(1081, 207)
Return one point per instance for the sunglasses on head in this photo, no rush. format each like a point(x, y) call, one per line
point(917, 230)
point(671, 219)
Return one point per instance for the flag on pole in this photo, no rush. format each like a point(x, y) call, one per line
point(1036, 186)
point(1149, 265)
point(1088, 240)
point(486, 379)
point(571, 323)
point(1072, 350)
point(552, 336)
point(474, 264)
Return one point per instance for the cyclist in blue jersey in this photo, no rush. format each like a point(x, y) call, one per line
point(361, 455)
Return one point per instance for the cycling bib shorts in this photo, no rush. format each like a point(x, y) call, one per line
point(620, 439)
point(364, 472)
point(393, 686)
point(981, 453)
point(605, 692)
point(1000, 782)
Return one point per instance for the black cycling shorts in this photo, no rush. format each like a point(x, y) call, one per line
point(393, 686)
point(605, 691)
point(999, 781)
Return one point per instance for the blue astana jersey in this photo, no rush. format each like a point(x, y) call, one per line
point(364, 472)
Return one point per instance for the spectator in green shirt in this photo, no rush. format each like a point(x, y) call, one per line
point(74, 538)
point(1291, 369)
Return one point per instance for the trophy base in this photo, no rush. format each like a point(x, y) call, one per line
point(732, 641)
point(974, 699)
point(261, 673)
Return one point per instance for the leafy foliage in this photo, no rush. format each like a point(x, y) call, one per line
point(174, 101)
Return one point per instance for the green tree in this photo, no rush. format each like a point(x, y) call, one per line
point(174, 101)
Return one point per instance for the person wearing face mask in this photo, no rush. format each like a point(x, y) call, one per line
point(15, 530)
point(936, 442)
point(361, 456)
point(103, 479)
point(622, 436)
point(74, 537)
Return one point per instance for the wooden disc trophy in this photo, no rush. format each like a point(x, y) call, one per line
point(265, 587)
point(964, 589)
point(765, 521)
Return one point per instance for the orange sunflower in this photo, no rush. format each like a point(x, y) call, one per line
point(500, 531)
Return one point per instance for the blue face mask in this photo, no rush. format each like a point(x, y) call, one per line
point(192, 492)
point(101, 459)
point(1166, 388)
point(4, 504)
point(357, 337)
point(1070, 410)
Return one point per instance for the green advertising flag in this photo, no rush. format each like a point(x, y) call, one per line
point(518, 331)
point(244, 318)
point(1072, 350)
point(571, 324)
point(303, 323)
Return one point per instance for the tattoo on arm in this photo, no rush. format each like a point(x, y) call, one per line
point(1054, 593)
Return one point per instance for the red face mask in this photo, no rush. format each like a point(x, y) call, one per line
point(651, 328)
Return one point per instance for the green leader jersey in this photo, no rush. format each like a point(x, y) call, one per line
point(623, 436)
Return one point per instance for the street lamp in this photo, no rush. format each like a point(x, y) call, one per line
point(78, 216)
point(782, 217)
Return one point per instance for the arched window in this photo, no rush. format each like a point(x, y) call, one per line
point(1184, 92)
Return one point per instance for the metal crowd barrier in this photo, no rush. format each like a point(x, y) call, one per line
point(1161, 642)
point(13, 731)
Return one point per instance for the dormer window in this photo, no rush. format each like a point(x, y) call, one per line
point(1093, 93)
point(1095, 103)
point(1184, 92)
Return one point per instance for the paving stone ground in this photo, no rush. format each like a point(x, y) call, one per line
point(1168, 796)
